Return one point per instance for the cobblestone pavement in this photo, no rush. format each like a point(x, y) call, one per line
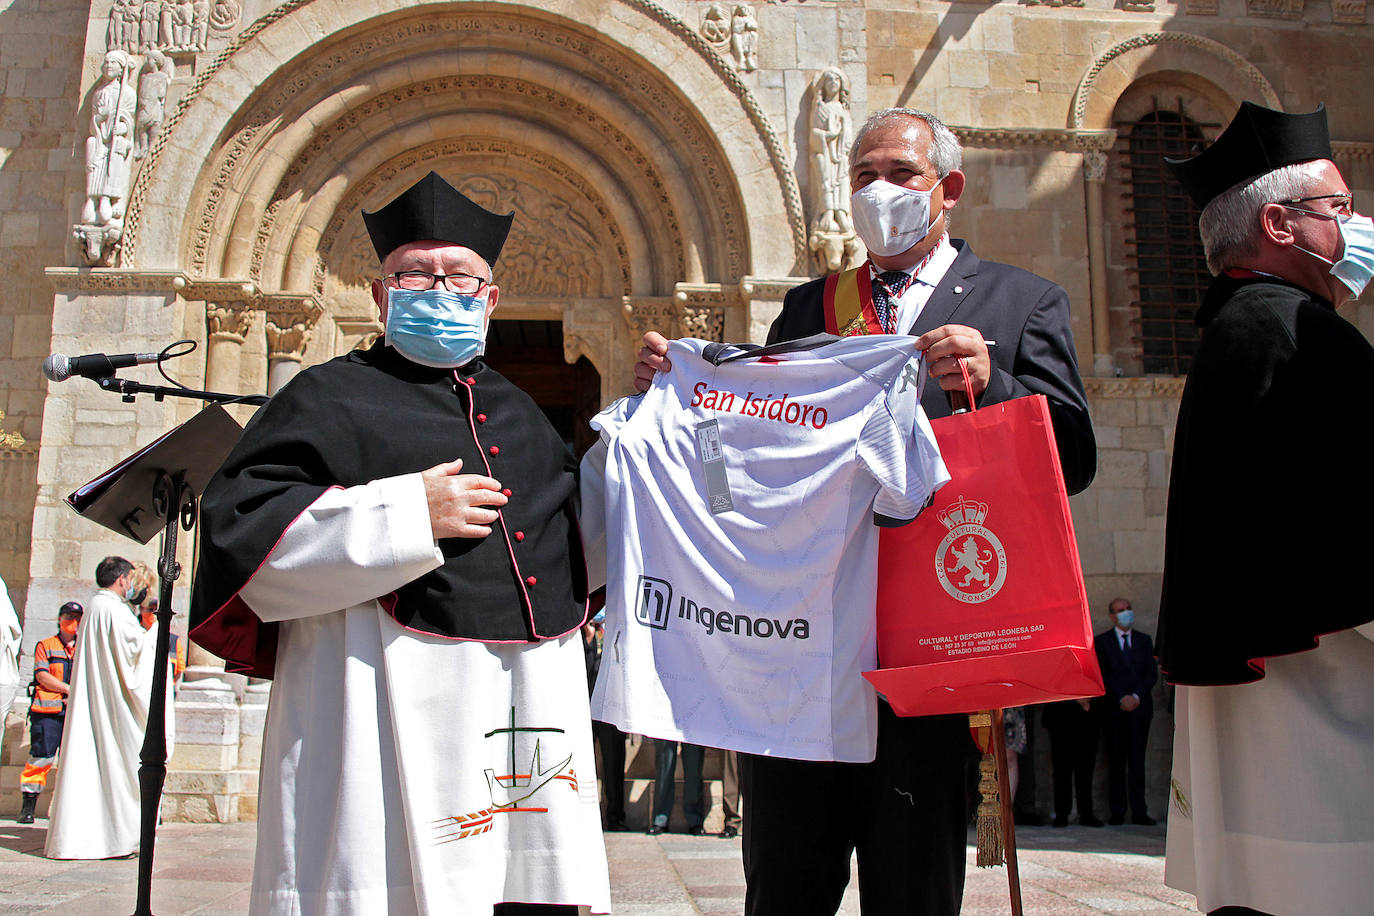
point(205, 869)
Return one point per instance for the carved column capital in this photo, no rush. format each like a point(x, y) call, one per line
point(290, 320)
point(650, 313)
point(228, 320)
point(1095, 166)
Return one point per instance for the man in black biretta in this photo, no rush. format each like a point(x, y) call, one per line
point(1272, 808)
point(392, 542)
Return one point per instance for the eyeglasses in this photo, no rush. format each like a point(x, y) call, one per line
point(418, 280)
point(1343, 204)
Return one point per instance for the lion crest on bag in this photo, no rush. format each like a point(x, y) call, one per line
point(970, 562)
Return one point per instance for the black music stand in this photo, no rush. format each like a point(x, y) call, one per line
point(156, 489)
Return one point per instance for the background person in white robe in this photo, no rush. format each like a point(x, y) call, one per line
point(10, 635)
point(95, 806)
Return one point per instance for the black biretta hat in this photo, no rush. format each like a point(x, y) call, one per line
point(434, 209)
point(1258, 140)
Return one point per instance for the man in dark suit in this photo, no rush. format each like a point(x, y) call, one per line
point(1128, 666)
point(906, 812)
point(1073, 727)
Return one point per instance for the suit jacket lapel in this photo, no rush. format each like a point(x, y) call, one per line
point(944, 301)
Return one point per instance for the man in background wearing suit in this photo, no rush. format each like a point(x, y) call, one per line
point(905, 813)
point(1128, 672)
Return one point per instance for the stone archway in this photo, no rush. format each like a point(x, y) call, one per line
point(627, 150)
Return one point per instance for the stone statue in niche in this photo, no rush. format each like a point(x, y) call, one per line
point(715, 24)
point(744, 37)
point(833, 241)
point(110, 144)
point(158, 71)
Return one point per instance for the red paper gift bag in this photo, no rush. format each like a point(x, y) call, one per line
point(981, 603)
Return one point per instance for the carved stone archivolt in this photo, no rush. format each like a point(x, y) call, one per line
point(1249, 79)
point(564, 242)
point(619, 69)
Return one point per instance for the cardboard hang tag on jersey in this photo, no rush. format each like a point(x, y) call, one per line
point(981, 602)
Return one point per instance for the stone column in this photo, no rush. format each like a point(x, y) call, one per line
point(227, 323)
point(290, 319)
point(1094, 146)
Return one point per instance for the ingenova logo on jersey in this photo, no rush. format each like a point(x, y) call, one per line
point(654, 608)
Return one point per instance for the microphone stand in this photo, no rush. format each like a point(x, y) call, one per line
point(174, 494)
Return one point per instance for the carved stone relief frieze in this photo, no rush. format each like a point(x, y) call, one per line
point(173, 26)
point(1077, 3)
point(1349, 11)
point(1275, 9)
point(1200, 7)
point(705, 322)
point(1138, 6)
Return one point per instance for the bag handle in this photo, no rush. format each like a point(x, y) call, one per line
point(963, 401)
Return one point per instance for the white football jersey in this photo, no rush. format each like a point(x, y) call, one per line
point(740, 500)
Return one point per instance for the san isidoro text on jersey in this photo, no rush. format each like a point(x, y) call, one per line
point(654, 607)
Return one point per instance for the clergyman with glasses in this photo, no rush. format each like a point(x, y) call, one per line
point(1265, 615)
point(392, 542)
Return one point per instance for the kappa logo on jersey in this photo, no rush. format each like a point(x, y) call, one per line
point(655, 603)
point(970, 562)
point(654, 608)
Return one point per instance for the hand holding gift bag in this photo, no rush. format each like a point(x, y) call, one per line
point(981, 603)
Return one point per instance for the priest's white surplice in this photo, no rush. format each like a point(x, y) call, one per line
point(404, 772)
point(1271, 804)
point(10, 634)
point(95, 806)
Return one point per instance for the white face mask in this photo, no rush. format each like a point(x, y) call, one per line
point(1356, 265)
point(888, 218)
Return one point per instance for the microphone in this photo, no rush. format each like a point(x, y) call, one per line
point(59, 368)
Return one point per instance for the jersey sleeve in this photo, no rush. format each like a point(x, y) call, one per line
point(897, 446)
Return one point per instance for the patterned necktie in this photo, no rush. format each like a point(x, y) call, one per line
point(888, 286)
point(1125, 642)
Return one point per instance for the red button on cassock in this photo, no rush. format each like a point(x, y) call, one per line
point(481, 418)
point(519, 535)
point(531, 580)
point(494, 450)
point(506, 492)
point(469, 380)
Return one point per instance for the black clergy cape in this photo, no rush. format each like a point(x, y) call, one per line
point(374, 414)
point(1270, 497)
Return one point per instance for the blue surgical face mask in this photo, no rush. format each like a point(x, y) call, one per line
point(435, 327)
point(1125, 618)
point(1356, 266)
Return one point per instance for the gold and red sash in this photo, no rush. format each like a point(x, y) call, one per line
point(848, 303)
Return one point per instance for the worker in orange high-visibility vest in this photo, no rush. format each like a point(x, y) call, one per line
point(52, 675)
